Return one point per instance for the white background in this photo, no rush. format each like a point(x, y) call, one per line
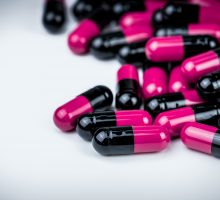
point(38, 162)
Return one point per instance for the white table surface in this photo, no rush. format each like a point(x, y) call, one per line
point(38, 162)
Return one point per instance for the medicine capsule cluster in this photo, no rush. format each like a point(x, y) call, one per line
point(168, 82)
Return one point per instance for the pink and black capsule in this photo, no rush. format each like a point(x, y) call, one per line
point(202, 138)
point(197, 66)
point(65, 117)
point(174, 120)
point(54, 16)
point(208, 86)
point(176, 48)
point(191, 29)
point(89, 123)
point(128, 95)
point(161, 103)
point(180, 13)
point(130, 140)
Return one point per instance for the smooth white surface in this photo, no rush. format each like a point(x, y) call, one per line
point(38, 162)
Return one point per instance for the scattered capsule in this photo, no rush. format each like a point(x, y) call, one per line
point(130, 140)
point(161, 103)
point(201, 137)
point(208, 86)
point(154, 82)
point(177, 83)
point(54, 15)
point(107, 45)
point(181, 13)
point(174, 120)
point(176, 48)
point(65, 117)
point(191, 29)
point(89, 123)
point(128, 96)
point(197, 66)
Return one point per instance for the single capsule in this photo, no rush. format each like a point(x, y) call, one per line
point(132, 19)
point(79, 40)
point(107, 45)
point(208, 86)
point(65, 117)
point(197, 66)
point(161, 103)
point(130, 140)
point(177, 83)
point(201, 137)
point(191, 29)
point(89, 123)
point(176, 48)
point(174, 120)
point(54, 16)
point(154, 81)
point(176, 13)
point(128, 96)
point(133, 53)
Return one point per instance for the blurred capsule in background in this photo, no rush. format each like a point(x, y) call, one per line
point(174, 120)
point(197, 66)
point(89, 123)
point(54, 15)
point(177, 83)
point(208, 86)
point(202, 138)
point(181, 13)
point(161, 103)
point(190, 29)
point(107, 45)
point(176, 48)
point(128, 95)
point(130, 140)
point(99, 97)
point(154, 81)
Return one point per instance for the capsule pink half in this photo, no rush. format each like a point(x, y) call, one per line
point(128, 72)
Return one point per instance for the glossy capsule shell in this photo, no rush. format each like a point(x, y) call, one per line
point(202, 138)
point(208, 86)
point(161, 103)
point(191, 29)
point(177, 82)
point(89, 123)
point(154, 82)
point(54, 15)
point(130, 140)
point(177, 13)
point(128, 95)
point(176, 48)
point(197, 66)
point(174, 120)
point(107, 45)
point(65, 117)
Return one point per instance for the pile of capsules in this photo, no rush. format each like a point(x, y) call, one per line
point(175, 44)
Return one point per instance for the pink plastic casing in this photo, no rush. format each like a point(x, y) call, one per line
point(176, 82)
point(150, 138)
point(198, 136)
point(133, 118)
point(137, 33)
point(192, 97)
point(174, 120)
point(209, 14)
point(152, 6)
point(195, 67)
point(165, 49)
point(204, 29)
point(133, 19)
point(80, 38)
point(65, 117)
point(128, 72)
point(154, 82)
